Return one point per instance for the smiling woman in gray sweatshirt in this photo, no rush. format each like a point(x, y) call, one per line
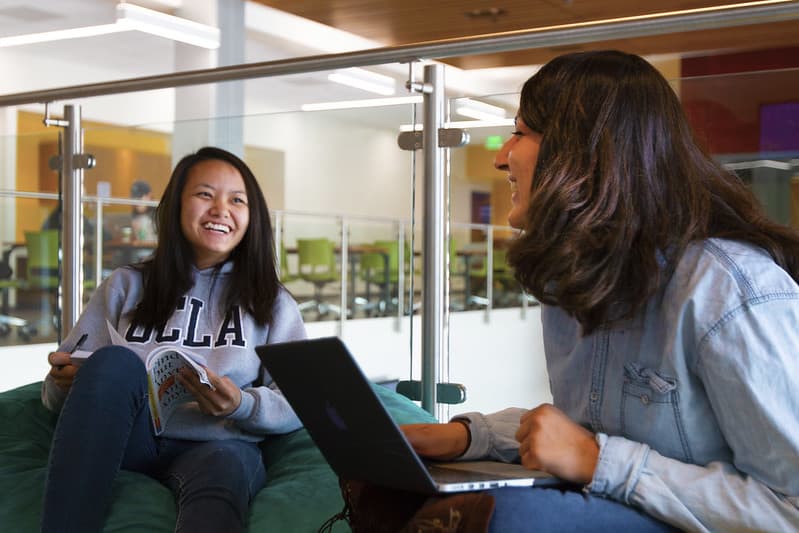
point(210, 288)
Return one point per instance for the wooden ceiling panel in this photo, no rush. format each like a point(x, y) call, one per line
point(588, 10)
point(756, 37)
point(411, 21)
point(392, 23)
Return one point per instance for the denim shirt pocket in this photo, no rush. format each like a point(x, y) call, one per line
point(650, 412)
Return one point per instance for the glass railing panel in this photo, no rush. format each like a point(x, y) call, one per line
point(322, 170)
point(28, 280)
point(488, 313)
point(310, 196)
point(310, 263)
point(749, 123)
point(469, 267)
point(480, 274)
point(29, 264)
point(480, 201)
point(380, 266)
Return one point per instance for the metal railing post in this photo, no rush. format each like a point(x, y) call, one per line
point(434, 285)
point(401, 275)
point(72, 215)
point(489, 272)
point(98, 243)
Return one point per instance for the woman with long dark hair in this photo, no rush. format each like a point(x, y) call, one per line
point(670, 311)
point(212, 288)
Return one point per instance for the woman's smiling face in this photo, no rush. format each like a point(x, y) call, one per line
point(518, 157)
point(214, 213)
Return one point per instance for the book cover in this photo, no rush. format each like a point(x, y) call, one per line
point(165, 391)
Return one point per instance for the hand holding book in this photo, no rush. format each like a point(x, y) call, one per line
point(220, 400)
point(169, 370)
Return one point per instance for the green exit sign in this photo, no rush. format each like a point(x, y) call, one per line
point(494, 142)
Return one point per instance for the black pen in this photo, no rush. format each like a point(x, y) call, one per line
point(80, 342)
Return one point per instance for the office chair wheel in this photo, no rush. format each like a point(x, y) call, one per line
point(27, 332)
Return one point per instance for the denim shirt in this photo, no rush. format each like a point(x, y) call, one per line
point(695, 403)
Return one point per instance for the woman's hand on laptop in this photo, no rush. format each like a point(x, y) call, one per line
point(438, 441)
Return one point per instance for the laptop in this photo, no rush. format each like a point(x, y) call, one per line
point(355, 433)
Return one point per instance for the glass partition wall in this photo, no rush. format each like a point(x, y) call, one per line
point(347, 212)
point(29, 282)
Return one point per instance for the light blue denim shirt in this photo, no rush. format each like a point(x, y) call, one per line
point(695, 404)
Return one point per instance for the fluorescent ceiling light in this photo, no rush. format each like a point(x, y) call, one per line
point(168, 4)
point(479, 110)
point(58, 35)
point(371, 102)
point(131, 17)
point(365, 80)
point(134, 17)
point(465, 124)
point(304, 32)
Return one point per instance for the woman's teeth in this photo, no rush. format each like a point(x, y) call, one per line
point(216, 227)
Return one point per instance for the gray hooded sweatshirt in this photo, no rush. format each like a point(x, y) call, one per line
point(198, 325)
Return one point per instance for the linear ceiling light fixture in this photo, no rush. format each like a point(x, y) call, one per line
point(131, 17)
point(179, 29)
point(369, 102)
point(479, 110)
point(58, 35)
point(365, 80)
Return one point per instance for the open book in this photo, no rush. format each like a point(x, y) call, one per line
point(163, 365)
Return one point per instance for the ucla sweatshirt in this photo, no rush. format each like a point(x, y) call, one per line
point(198, 325)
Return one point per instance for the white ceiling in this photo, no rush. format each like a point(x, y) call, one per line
point(135, 54)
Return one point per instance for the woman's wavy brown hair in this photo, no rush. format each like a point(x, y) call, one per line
point(621, 188)
point(254, 284)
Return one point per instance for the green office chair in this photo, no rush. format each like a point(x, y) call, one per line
point(286, 275)
point(510, 292)
point(317, 265)
point(42, 271)
point(42, 275)
point(373, 272)
point(505, 286)
point(370, 270)
point(457, 272)
point(42, 259)
point(8, 283)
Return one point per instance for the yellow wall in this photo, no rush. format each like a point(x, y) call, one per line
point(123, 156)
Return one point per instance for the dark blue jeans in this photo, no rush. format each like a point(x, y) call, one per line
point(563, 511)
point(105, 426)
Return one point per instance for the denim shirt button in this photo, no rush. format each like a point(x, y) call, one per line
point(594, 396)
point(645, 399)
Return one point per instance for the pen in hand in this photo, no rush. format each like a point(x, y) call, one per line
point(78, 344)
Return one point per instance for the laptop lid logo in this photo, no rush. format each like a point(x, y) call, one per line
point(334, 417)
